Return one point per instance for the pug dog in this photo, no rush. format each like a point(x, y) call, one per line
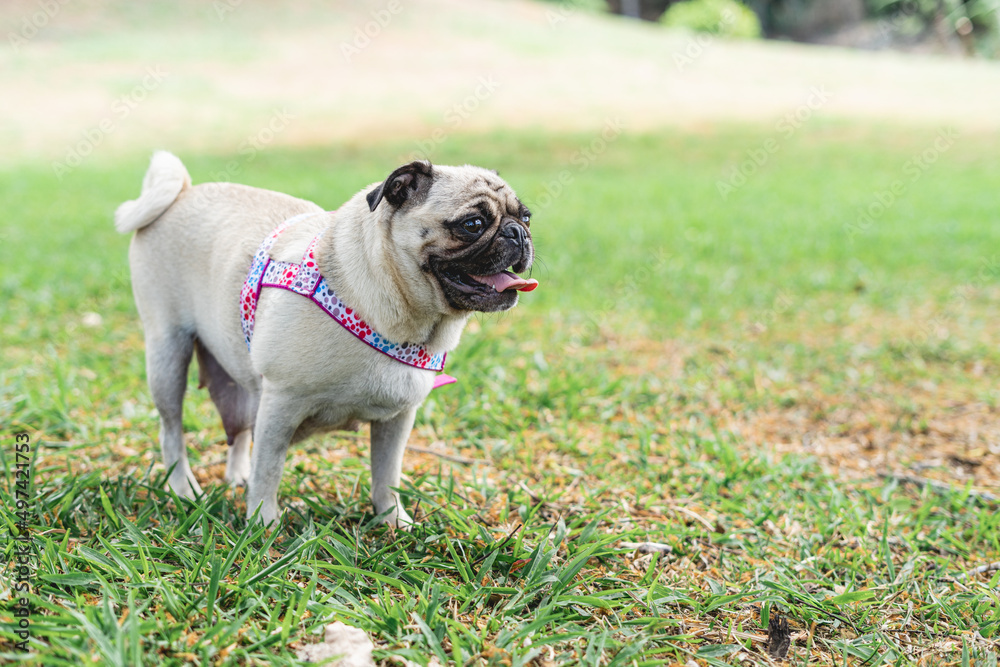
point(305, 320)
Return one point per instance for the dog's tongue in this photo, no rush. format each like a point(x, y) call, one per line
point(506, 280)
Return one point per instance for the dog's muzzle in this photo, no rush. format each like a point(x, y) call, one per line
point(483, 282)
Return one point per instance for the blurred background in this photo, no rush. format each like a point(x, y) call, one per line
point(208, 75)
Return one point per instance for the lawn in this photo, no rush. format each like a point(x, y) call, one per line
point(787, 385)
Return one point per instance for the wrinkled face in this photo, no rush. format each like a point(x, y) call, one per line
point(474, 231)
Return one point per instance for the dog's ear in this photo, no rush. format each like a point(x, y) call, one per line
point(402, 184)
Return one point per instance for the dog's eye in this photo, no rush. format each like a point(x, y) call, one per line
point(525, 219)
point(473, 225)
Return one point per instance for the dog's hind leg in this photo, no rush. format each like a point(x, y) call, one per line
point(238, 459)
point(237, 409)
point(167, 358)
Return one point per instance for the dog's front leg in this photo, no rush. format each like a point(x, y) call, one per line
point(277, 418)
point(388, 442)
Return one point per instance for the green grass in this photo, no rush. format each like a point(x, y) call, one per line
point(627, 399)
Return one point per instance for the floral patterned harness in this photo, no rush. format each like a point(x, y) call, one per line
point(304, 278)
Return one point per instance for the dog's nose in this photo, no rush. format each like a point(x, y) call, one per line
point(514, 232)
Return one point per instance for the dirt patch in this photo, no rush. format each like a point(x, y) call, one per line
point(956, 443)
point(933, 419)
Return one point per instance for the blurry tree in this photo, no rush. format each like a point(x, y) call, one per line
point(804, 19)
point(975, 24)
point(729, 18)
point(649, 10)
point(810, 14)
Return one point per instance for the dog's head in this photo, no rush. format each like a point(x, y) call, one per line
point(465, 227)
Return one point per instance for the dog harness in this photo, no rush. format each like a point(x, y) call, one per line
point(304, 278)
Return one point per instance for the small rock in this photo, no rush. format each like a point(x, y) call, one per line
point(351, 645)
point(434, 662)
point(91, 320)
point(648, 547)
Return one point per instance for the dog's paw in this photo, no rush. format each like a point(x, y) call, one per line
point(238, 460)
point(398, 518)
point(185, 486)
point(269, 516)
point(237, 477)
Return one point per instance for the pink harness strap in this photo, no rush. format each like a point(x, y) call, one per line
point(305, 279)
point(250, 293)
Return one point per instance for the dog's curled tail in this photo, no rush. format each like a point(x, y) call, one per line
point(164, 181)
